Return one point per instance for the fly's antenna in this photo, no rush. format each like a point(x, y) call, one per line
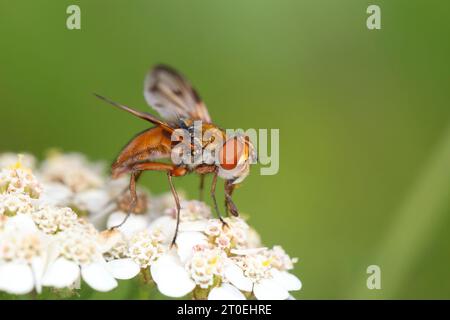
point(139, 114)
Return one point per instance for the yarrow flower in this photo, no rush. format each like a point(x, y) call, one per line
point(9, 159)
point(144, 248)
point(46, 245)
point(12, 204)
point(233, 234)
point(205, 265)
point(22, 255)
point(50, 236)
point(72, 170)
point(253, 271)
point(17, 179)
point(52, 220)
point(190, 211)
point(77, 252)
point(212, 262)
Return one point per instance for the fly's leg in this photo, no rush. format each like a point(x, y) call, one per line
point(172, 171)
point(177, 202)
point(133, 179)
point(122, 192)
point(201, 187)
point(213, 196)
point(229, 204)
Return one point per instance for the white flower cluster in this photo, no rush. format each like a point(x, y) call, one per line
point(47, 245)
point(49, 236)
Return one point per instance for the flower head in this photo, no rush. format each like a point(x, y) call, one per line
point(14, 203)
point(23, 251)
point(10, 159)
point(205, 264)
point(77, 245)
point(279, 259)
point(52, 220)
point(145, 248)
point(113, 244)
point(73, 170)
point(17, 179)
point(253, 270)
point(20, 241)
point(231, 234)
point(190, 211)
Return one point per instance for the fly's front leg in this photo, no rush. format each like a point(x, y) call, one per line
point(213, 196)
point(229, 204)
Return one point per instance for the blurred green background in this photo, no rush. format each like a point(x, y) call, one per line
point(363, 115)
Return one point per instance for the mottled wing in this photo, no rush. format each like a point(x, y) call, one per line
point(173, 97)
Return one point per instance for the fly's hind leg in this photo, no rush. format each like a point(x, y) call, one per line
point(133, 180)
point(121, 193)
point(172, 171)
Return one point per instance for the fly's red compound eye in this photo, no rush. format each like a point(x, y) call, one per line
point(230, 153)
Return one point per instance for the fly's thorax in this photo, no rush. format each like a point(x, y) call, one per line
point(213, 139)
point(206, 144)
point(197, 144)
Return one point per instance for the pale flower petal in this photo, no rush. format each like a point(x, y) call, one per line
point(38, 268)
point(134, 223)
point(269, 289)
point(55, 193)
point(226, 292)
point(61, 273)
point(166, 225)
point(186, 241)
point(289, 281)
point(245, 252)
point(123, 268)
point(16, 278)
point(93, 200)
point(109, 238)
point(157, 268)
point(236, 276)
point(198, 225)
point(22, 223)
point(98, 277)
point(170, 276)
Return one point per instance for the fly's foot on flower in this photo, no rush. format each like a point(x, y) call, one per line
point(173, 243)
point(117, 226)
point(224, 223)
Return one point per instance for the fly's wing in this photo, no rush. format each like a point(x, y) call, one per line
point(173, 97)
